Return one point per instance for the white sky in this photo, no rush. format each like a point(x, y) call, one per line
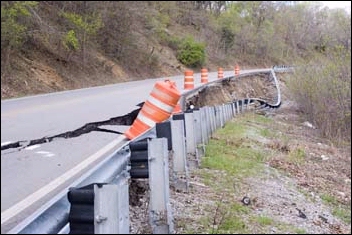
point(337, 4)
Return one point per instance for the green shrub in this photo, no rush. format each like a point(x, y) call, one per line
point(70, 41)
point(191, 53)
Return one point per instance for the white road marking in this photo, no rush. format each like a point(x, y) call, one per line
point(34, 197)
point(32, 147)
point(6, 143)
point(46, 154)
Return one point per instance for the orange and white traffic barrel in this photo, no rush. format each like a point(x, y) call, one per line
point(189, 80)
point(204, 76)
point(177, 109)
point(237, 69)
point(220, 73)
point(159, 106)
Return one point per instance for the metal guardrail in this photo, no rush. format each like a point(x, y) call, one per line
point(283, 68)
point(52, 218)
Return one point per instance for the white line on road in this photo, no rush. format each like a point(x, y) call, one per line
point(46, 154)
point(6, 143)
point(32, 147)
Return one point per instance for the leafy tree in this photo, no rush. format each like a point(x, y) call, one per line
point(70, 41)
point(13, 29)
point(13, 23)
point(84, 26)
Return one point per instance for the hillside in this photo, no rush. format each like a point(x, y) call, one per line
point(50, 46)
point(43, 66)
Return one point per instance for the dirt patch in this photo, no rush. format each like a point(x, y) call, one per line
point(41, 72)
point(259, 86)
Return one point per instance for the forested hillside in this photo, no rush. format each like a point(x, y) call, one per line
point(55, 45)
point(49, 46)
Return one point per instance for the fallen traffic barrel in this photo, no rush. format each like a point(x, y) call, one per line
point(159, 106)
point(177, 109)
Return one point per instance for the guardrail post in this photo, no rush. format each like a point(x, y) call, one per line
point(209, 120)
point(213, 119)
point(191, 139)
point(226, 116)
point(233, 110)
point(223, 116)
point(248, 104)
point(111, 208)
point(204, 126)
point(163, 129)
point(198, 133)
point(159, 207)
point(228, 112)
point(240, 103)
point(237, 107)
point(244, 105)
point(216, 117)
point(179, 162)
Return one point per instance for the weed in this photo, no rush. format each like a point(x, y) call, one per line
point(264, 220)
point(343, 213)
point(297, 156)
point(300, 231)
point(329, 199)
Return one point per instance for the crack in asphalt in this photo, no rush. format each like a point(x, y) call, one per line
point(126, 119)
point(213, 95)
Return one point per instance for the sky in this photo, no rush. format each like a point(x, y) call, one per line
point(338, 4)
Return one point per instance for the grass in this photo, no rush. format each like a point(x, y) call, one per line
point(231, 149)
point(297, 156)
point(264, 220)
point(341, 211)
point(329, 199)
point(290, 229)
point(234, 155)
point(236, 152)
